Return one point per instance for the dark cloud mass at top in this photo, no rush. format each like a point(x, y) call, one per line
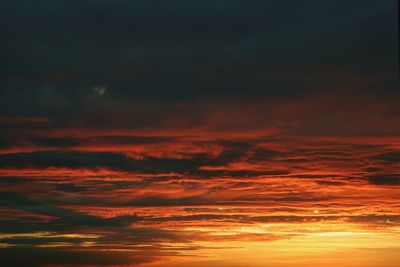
point(178, 49)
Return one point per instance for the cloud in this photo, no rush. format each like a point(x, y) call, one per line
point(390, 157)
point(384, 179)
point(117, 161)
point(19, 256)
point(196, 163)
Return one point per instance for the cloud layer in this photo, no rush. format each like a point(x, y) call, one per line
point(182, 133)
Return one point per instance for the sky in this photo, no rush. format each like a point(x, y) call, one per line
point(199, 133)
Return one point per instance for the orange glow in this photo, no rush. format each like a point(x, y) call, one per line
point(284, 202)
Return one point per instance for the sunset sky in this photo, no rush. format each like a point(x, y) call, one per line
point(229, 133)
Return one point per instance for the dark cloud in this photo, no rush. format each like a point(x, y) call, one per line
point(12, 141)
point(260, 154)
point(117, 161)
point(390, 157)
point(54, 141)
point(13, 180)
point(383, 219)
point(373, 169)
point(384, 179)
point(295, 197)
point(66, 221)
point(36, 257)
point(183, 24)
point(181, 50)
